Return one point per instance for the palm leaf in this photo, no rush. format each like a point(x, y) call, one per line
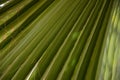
point(59, 39)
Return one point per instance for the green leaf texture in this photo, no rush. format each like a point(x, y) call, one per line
point(59, 40)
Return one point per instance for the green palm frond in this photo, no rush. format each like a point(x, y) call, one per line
point(59, 39)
